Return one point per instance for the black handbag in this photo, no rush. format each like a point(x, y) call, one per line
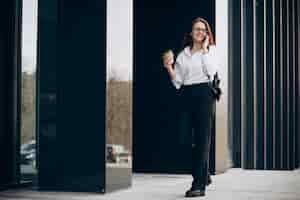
point(215, 87)
point(214, 84)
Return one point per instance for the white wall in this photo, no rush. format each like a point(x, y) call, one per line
point(222, 152)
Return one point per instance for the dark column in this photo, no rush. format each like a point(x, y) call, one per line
point(247, 117)
point(291, 72)
point(234, 81)
point(277, 86)
point(71, 95)
point(284, 83)
point(269, 83)
point(10, 66)
point(297, 82)
point(259, 84)
point(47, 93)
point(297, 72)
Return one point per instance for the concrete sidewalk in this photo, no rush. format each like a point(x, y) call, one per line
point(235, 184)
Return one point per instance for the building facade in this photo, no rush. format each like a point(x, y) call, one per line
point(97, 122)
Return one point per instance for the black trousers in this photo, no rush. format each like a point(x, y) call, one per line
point(196, 118)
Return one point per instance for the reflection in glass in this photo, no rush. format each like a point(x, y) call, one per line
point(119, 94)
point(28, 102)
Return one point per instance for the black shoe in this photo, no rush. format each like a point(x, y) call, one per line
point(195, 193)
point(209, 181)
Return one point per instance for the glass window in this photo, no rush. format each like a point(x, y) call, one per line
point(119, 92)
point(28, 90)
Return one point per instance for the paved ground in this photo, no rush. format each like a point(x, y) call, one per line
point(235, 184)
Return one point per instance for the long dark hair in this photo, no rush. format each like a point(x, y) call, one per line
point(188, 40)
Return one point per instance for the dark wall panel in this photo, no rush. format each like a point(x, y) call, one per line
point(269, 84)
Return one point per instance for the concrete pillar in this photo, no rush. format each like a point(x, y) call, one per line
point(222, 151)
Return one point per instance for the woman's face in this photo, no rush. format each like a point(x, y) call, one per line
point(199, 32)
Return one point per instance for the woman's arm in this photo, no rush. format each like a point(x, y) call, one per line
point(176, 73)
point(171, 72)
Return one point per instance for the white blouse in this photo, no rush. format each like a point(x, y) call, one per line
point(194, 68)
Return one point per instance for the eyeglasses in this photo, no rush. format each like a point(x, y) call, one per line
point(203, 30)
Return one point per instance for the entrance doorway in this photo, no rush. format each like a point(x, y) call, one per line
point(159, 145)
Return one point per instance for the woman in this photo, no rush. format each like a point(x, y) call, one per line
point(193, 69)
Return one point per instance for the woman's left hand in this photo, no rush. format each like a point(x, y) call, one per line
point(205, 43)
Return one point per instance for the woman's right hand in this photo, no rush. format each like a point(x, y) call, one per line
point(168, 60)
